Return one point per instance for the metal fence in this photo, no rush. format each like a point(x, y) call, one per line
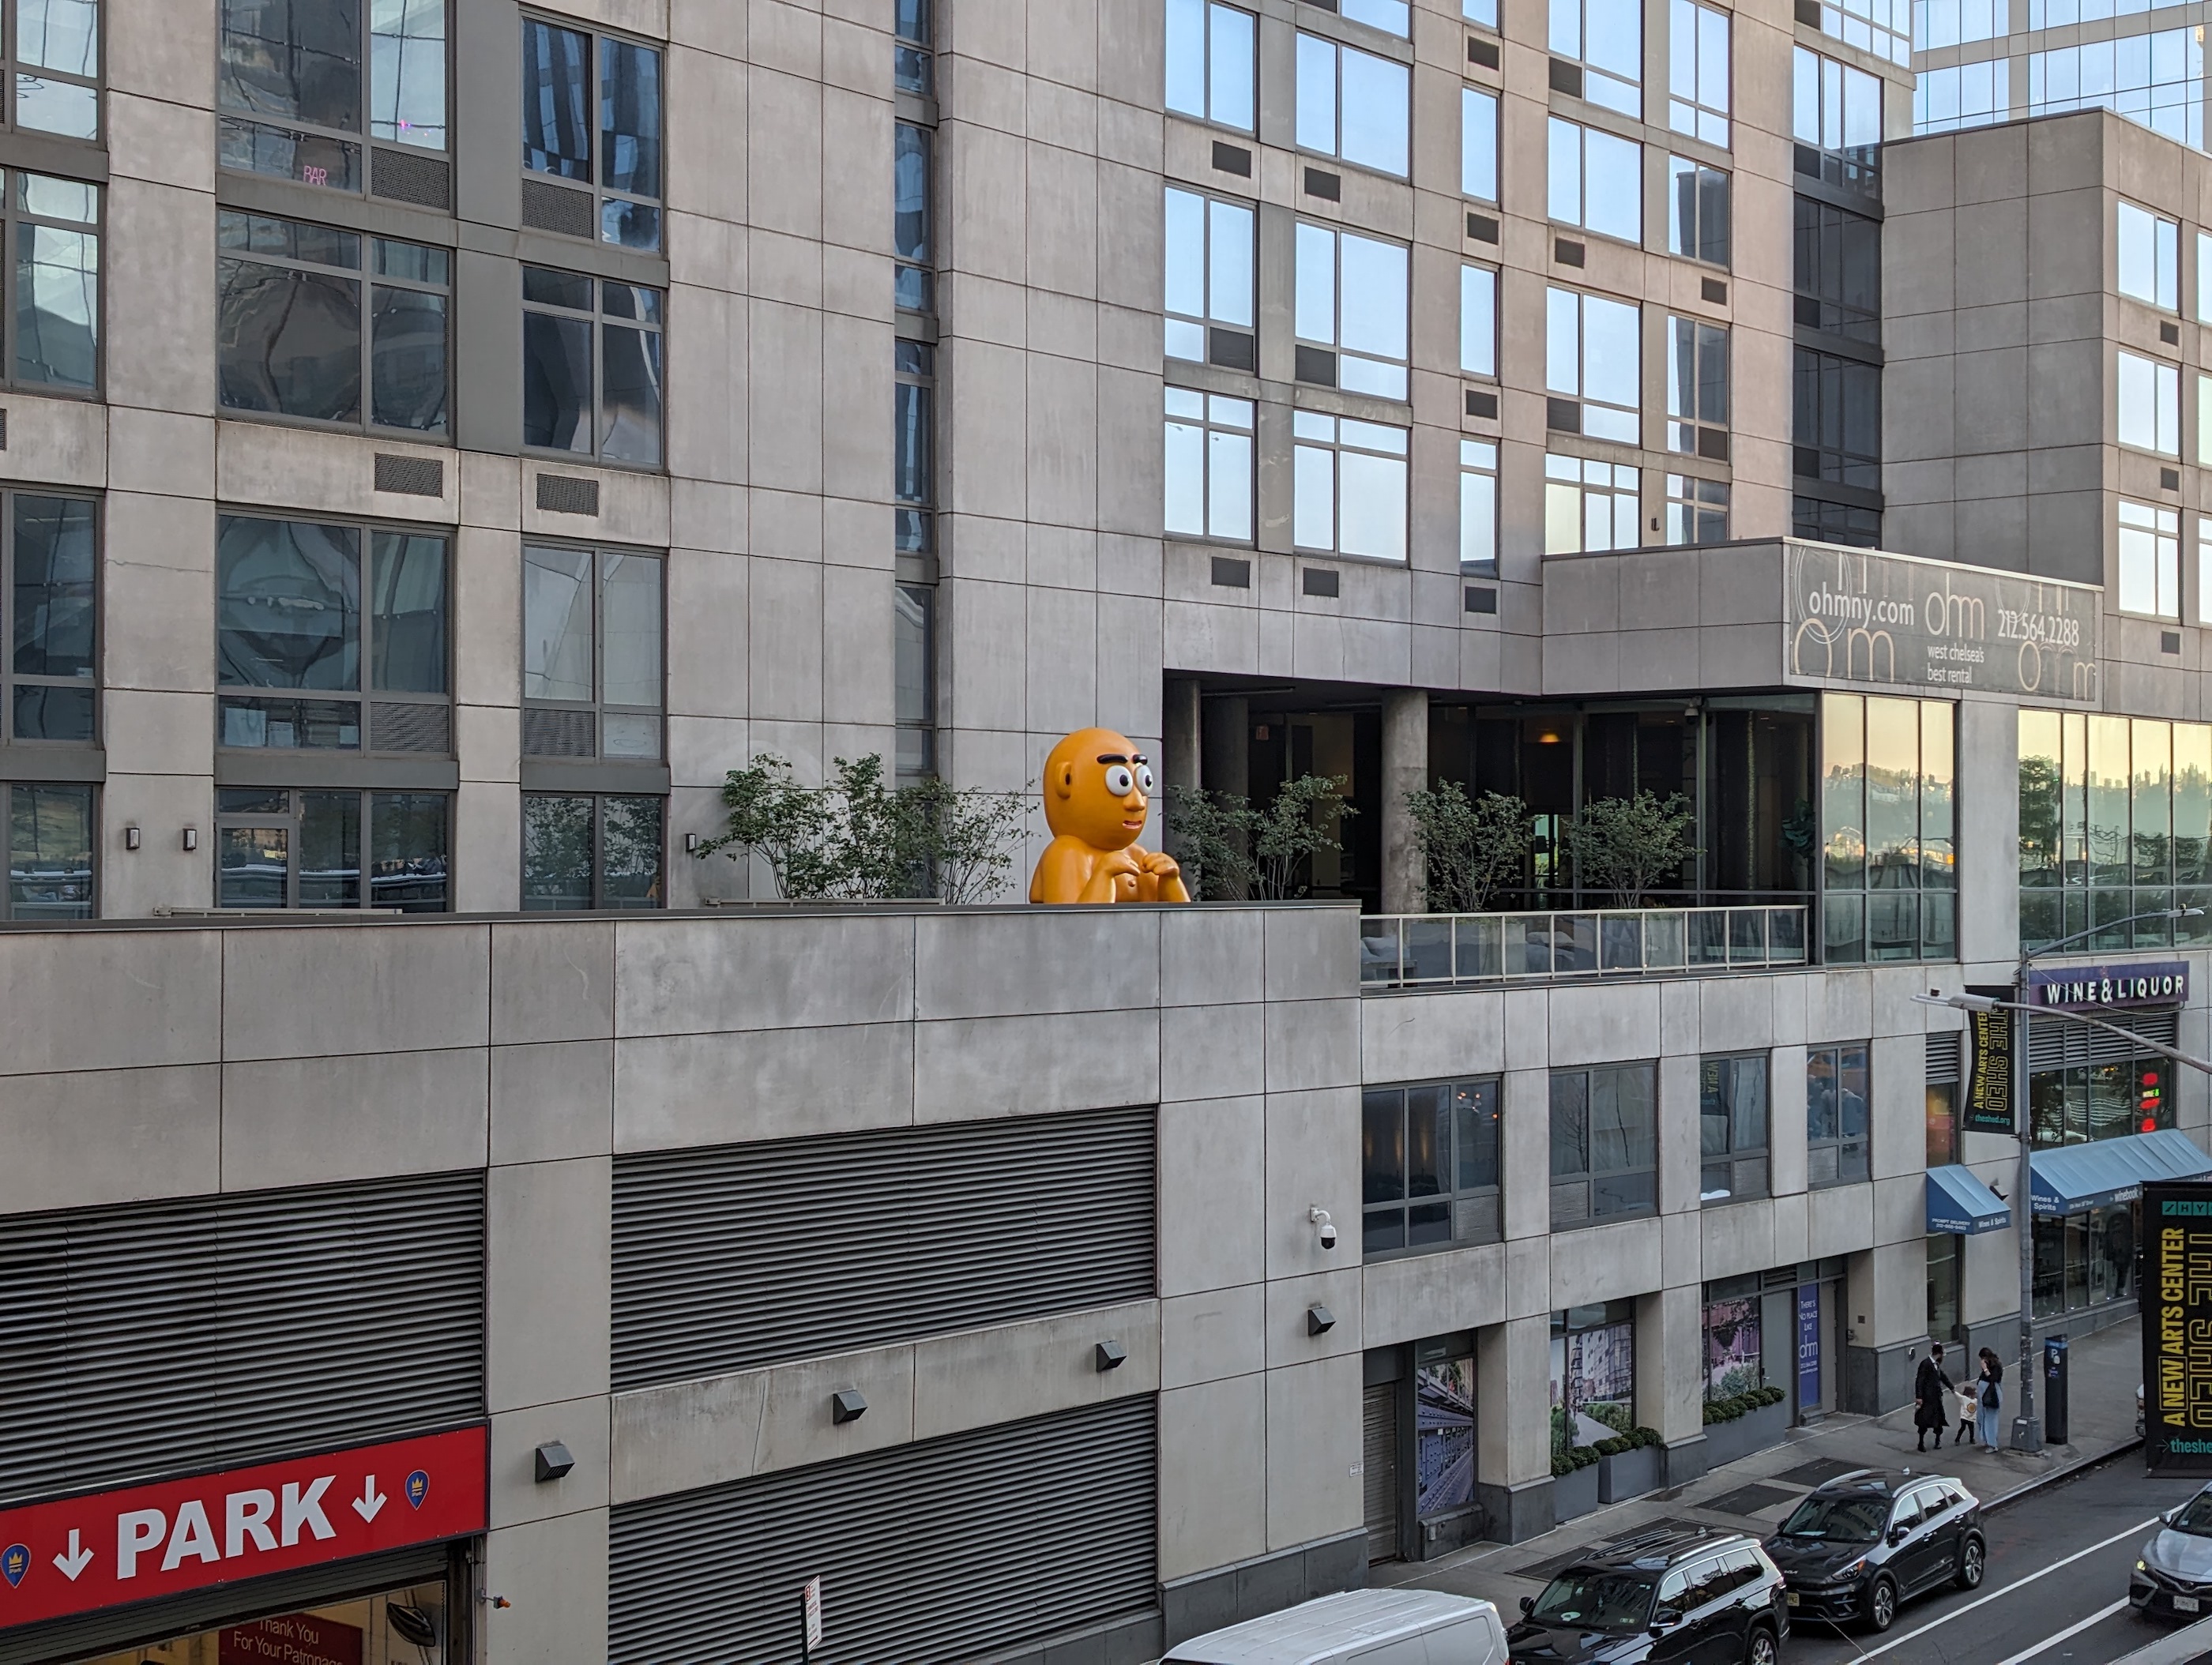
point(1402, 950)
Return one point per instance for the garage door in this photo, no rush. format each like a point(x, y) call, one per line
point(1379, 1467)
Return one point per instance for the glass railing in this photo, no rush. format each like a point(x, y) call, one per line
point(1404, 951)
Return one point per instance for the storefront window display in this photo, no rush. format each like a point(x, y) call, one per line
point(1734, 1360)
point(1443, 1435)
point(1593, 1373)
point(405, 1626)
point(2078, 1105)
point(1942, 1285)
point(2085, 1260)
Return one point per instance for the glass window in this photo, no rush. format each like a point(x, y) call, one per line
point(1211, 59)
point(1960, 95)
point(1696, 510)
point(1351, 302)
point(2148, 402)
point(1605, 1148)
point(1697, 386)
point(910, 192)
point(289, 847)
point(591, 367)
point(1732, 1136)
point(1836, 118)
point(1391, 16)
point(1478, 508)
point(2205, 569)
point(1887, 816)
point(50, 611)
point(1212, 296)
point(1478, 144)
point(591, 634)
point(1596, 180)
point(1697, 211)
point(2147, 250)
point(914, 448)
point(1883, 27)
point(579, 88)
point(1698, 71)
point(1838, 271)
point(1593, 1398)
point(1478, 320)
point(2204, 277)
point(582, 851)
point(337, 93)
point(914, 678)
point(1837, 1094)
point(2156, 79)
point(54, 66)
point(1429, 1166)
point(1593, 353)
point(289, 330)
point(1943, 1107)
point(289, 620)
point(913, 69)
point(2149, 563)
point(1836, 424)
point(1348, 486)
point(1607, 36)
point(1828, 522)
point(1209, 465)
point(1484, 12)
point(2203, 419)
point(1589, 505)
point(56, 315)
point(51, 840)
point(1353, 104)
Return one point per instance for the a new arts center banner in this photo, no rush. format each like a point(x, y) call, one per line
point(2177, 1327)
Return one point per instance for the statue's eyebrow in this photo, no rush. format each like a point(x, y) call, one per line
point(1115, 758)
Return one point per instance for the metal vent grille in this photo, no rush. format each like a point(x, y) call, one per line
point(414, 477)
point(916, 1547)
point(550, 733)
point(1942, 1058)
point(2058, 1044)
point(741, 1255)
point(549, 207)
point(160, 1337)
point(568, 494)
point(402, 176)
point(396, 725)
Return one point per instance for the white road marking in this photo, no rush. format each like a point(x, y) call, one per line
point(2051, 1642)
point(2126, 1533)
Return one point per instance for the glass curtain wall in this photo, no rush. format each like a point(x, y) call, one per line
point(1889, 864)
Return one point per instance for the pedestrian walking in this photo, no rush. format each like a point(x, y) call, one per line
point(1989, 1398)
point(1931, 1394)
point(1969, 1407)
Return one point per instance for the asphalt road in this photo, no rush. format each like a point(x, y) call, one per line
point(2058, 1560)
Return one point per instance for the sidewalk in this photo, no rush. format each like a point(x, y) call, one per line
point(1755, 1494)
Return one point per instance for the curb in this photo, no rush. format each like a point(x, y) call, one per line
point(2133, 1443)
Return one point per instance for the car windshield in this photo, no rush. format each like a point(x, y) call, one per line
point(1595, 1600)
point(1852, 1520)
point(2195, 1516)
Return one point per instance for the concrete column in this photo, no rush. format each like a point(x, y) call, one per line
point(1405, 768)
point(1668, 1342)
point(1513, 1431)
point(1179, 745)
point(1225, 736)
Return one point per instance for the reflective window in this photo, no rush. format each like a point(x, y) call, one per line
point(289, 327)
point(1484, 12)
point(1348, 486)
point(1353, 104)
point(1732, 1128)
point(583, 851)
point(1607, 36)
point(2204, 277)
point(1697, 211)
point(1478, 508)
point(2204, 418)
point(910, 216)
point(1209, 465)
point(1890, 860)
point(591, 367)
point(1697, 386)
point(914, 451)
point(1698, 71)
point(1596, 180)
point(581, 90)
point(1883, 27)
point(1837, 271)
point(1391, 16)
point(1960, 95)
point(289, 847)
point(338, 94)
point(1212, 294)
point(55, 314)
point(1836, 426)
point(1824, 521)
point(1478, 320)
point(1351, 303)
point(1478, 144)
point(49, 614)
point(2156, 79)
point(1589, 505)
point(914, 677)
point(2147, 249)
point(1593, 355)
point(1429, 1166)
point(2149, 548)
point(1836, 117)
point(1838, 1091)
point(913, 68)
point(1211, 63)
point(54, 66)
point(1605, 1144)
point(591, 634)
point(51, 840)
point(1696, 510)
point(319, 663)
point(1958, 22)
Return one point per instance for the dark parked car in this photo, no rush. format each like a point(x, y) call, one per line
point(2173, 1579)
point(1665, 1598)
point(1862, 1545)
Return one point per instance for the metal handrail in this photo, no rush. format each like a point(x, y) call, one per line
point(1410, 951)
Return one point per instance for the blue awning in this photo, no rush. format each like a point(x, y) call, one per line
point(2108, 1171)
point(1961, 1205)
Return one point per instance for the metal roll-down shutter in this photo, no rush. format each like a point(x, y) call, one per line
point(1378, 1469)
point(938, 1552)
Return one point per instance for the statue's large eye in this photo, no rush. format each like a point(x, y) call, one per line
point(1145, 776)
point(1118, 780)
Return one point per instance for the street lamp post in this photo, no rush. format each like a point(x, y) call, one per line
point(2026, 1431)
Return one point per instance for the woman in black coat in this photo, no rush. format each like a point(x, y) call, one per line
point(1931, 1392)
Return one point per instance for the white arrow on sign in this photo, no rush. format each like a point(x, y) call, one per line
point(76, 1561)
point(370, 1501)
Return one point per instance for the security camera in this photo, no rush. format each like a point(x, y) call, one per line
point(1323, 1224)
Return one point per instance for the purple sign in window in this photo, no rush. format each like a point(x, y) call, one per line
point(1808, 1346)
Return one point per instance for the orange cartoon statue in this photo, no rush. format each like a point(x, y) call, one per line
point(1098, 790)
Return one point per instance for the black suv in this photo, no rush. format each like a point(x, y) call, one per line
point(1860, 1545)
point(1684, 1597)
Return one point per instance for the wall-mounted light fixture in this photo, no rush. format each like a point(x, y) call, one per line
point(1110, 1355)
point(847, 1405)
point(552, 1461)
point(690, 843)
point(1319, 1320)
point(191, 838)
point(131, 838)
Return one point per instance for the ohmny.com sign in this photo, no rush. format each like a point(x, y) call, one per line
point(106, 1548)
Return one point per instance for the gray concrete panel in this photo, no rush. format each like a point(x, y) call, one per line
point(88, 1138)
point(361, 1116)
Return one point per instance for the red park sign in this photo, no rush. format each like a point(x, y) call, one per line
point(106, 1548)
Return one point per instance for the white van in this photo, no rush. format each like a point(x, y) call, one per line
point(1359, 1627)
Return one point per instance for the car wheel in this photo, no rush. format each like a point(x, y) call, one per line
point(1762, 1651)
point(1882, 1605)
point(1969, 1575)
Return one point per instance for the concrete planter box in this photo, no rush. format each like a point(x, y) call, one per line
point(1628, 1474)
point(1577, 1493)
point(1755, 1431)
